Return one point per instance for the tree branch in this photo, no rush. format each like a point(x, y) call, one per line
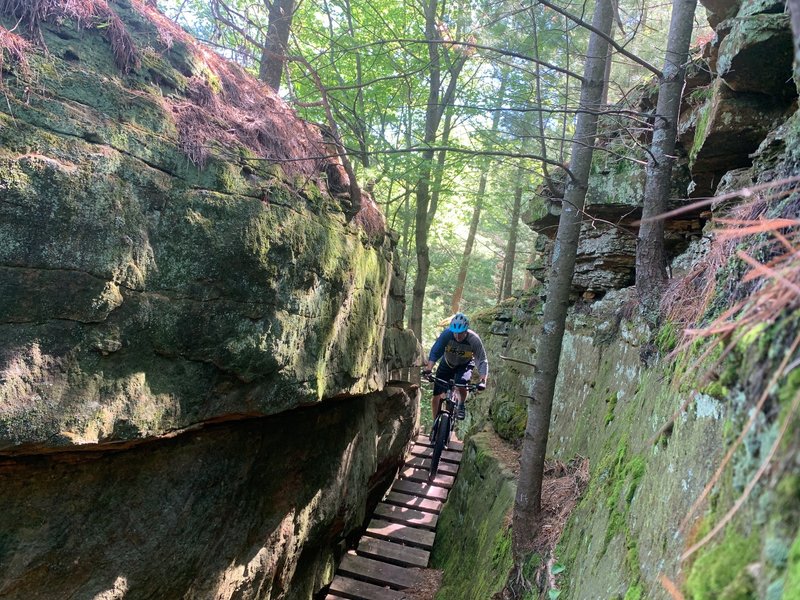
point(608, 38)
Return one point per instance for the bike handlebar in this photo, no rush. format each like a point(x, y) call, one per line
point(470, 387)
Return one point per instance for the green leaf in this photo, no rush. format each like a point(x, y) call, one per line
point(557, 569)
point(553, 594)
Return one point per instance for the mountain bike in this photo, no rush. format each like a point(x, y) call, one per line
point(445, 422)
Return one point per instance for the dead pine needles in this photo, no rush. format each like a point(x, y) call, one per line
point(753, 268)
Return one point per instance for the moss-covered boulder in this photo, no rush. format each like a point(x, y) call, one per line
point(755, 55)
point(724, 130)
point(160, 268)
point(261, 508)
point(196, 332)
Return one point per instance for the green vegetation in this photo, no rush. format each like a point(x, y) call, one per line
point(721, 571)
point(473, 540)
point(667, 337)
point(611, 401)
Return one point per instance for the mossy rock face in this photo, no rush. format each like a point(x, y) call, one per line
point(161, 317)
point(610, 407)
point(723, 132)
point(756, 55)
point(722, 571)
point(473, 540)
point(222, 512)
point(143, 294)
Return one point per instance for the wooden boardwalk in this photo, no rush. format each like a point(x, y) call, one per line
point(399, 538)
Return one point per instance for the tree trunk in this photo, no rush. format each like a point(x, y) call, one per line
point(423, 183)
point(794, 12)
point(436, 188)
point(273, 55)
point(502, 281)
point(527, 505)
point(433, 116)
point(651, 258)
point(511, 246)
point(455, 304)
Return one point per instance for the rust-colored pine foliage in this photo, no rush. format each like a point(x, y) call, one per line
point(12, 50)
point(219, 108)
point(761, 287)
point(86, 14)
point(244, 112)
point(752, 273)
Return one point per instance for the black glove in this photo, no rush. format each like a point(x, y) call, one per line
point(426, 372)
point(481, 386)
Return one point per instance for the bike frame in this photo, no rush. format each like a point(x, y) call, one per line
point(447, 405)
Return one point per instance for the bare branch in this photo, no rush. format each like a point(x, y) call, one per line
point(608, 38)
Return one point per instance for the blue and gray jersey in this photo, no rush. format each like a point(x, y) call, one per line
point(460, 353)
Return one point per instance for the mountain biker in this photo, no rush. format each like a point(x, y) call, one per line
point(461, 349)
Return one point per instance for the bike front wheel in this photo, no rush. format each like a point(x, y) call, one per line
point(439, 442)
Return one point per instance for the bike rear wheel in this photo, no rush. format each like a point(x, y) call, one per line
point(442, 433)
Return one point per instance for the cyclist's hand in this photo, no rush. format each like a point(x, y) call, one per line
point(426, 372)
point(481, 386)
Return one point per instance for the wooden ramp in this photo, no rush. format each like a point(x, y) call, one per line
point(400, 535)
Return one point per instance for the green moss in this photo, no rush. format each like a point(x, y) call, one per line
point(473, 541)
point(753, 335)
point(791, 585)
point(716, 390)
point(615, 483)
point(743, 587)
point(502, 548)
point(532, 563)
point(789, 390)
point(666, 338)
point(703, 117)
point(700, 95)
point(720, 571)
point(611, 401)
point(787, 497)
point(634, 592)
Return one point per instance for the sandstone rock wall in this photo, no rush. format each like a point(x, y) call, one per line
point(195, 338)
point(144, 294)
point(654, 425)
point(739, 90)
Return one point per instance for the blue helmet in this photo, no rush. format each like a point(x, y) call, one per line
point(459, 323)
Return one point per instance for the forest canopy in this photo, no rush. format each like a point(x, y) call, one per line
point(504, 79)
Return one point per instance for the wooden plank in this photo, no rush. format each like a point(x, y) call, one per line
point(424, 440)
point(425, 463)
point(377, 572)
point(398, 514)
point(394, 553)
point(424, 490)
point(361, 590)
point(422, 475)
point(409, 501)
point(411, 536)
point(447, 455)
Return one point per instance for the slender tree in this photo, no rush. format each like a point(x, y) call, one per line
point(476, 211)
point(651, 259)
point(527, 505)
point(273, 56)
point(511, 246)
point(794, 11)
point(438, 101)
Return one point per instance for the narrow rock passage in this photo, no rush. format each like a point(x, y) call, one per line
point(400, 535)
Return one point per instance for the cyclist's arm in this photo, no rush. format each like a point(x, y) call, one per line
point(479, 352)
point(437, 351)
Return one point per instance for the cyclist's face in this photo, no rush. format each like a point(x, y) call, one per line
point(460, 336)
